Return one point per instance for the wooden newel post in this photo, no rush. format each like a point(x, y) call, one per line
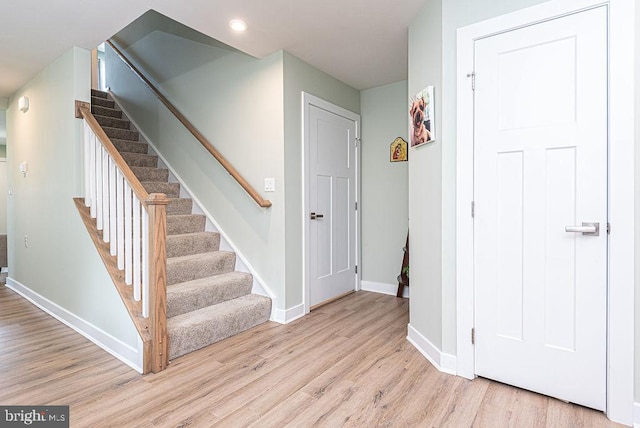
point(157, 210)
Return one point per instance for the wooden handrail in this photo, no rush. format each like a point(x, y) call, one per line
point(264, 203)
point(133, 181)
point(154, 330)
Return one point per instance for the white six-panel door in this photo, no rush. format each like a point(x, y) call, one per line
point(540, 166)
point(332, 196)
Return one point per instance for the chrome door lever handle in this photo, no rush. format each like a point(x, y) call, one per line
point(592, 229)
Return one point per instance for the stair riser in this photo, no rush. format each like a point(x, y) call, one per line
point(99, 94)
point(151, 174)
point(188, 337)
point(121, 134)
point(102, 102)
point(185, 245)
point(125, 146)
point(188, 269)
point(102, 111)
point(178, 224)
point(194, 295)
point(135, 159)
point(113, 122)
point(171, 190)
point(179, 207)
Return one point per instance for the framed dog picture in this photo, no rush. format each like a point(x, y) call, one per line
point(422, 117)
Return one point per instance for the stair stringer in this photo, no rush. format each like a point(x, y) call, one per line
point(242, 265)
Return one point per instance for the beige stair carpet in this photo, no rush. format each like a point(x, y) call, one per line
point(207, 300)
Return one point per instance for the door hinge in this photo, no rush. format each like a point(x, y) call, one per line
point(608, 228)
point(356, 268)
point(356, 142)
point(473, 336)
point(472, 75)
point(473, 209)
point(356, 206)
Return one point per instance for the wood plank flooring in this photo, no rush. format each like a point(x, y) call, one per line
point(346, 364)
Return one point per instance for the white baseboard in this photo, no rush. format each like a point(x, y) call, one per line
point(445, 363)
point(285, 316)
point(381, 287)
point(636, 415)
point(125, 353)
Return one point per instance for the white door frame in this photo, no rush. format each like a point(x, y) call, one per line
point(620, 332)
point(307, 101)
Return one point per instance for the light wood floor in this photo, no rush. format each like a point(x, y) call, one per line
point(346, 364)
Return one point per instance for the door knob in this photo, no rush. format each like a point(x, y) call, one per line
point(314, 216)
point(592, 229)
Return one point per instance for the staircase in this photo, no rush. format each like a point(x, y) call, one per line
point(207, 300)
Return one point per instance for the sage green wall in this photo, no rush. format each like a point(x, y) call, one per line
point(234, 100)
point(61, 262)
point(300, 76)
point(3, 151)
point(425, 179)
point(432, 60)
point(384, 204)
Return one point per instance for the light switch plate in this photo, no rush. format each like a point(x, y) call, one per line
point(269, 184)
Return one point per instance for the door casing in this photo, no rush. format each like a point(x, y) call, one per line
point(620, 332)
point(307, 100)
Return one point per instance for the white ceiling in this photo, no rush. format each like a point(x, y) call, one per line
point(360, 42)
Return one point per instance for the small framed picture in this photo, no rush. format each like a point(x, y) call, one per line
point(398, 150)
point(422, 117)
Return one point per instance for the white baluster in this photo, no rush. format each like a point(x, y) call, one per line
point(113, 213)
point(92, 175)
point(128, 231)
point(86, 137)
point(120, 218)
point(105, 196)
point(145, 263)
point(137, 246)
point(99, 188)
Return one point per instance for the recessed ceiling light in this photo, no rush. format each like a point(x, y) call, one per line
point(238, 25)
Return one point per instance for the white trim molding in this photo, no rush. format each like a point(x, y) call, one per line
point(285, 316)
point(446, 363)
point(383, 288)
point(636, 415)
point(125, 353)
point(620, 346)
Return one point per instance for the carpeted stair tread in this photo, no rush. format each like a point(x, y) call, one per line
point(112, 122)
point(105, 111)
point(128, 146)
point(121, 134)
point(207, 300)
point(179, 206)
point(192, 243)
point(199, 293)
point(196, 266)
point(102, 102)
point(171, 190)
point(140, 159)
point(185, 223)
point(98, 93)
point(146, 173)
point(194, 330)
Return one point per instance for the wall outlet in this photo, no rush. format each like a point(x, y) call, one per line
point(24, 168)
point(26, 242)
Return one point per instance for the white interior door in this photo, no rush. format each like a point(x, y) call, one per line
point(540, 165)
point(332, 196)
